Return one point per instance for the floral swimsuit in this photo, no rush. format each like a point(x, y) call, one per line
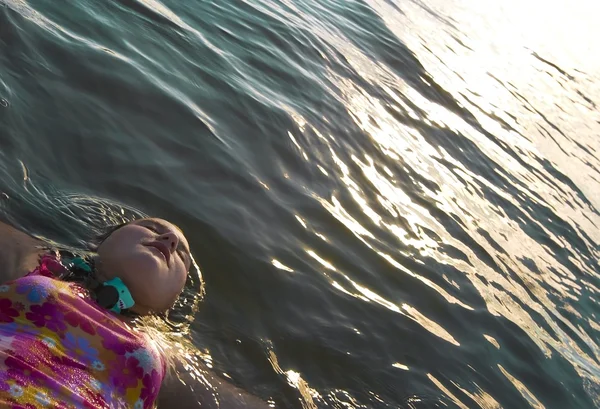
point(59, 349)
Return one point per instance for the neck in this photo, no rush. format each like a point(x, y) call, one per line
point(100, 276)
point(99, 272)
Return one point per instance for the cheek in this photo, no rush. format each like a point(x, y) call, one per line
point(181, 275)
point(173, 284)
point(151, 284)
point(120, 245)
point(133, 265)
point(140, 271)
point(144, 263)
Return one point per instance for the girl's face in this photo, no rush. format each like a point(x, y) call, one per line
point(152, 257)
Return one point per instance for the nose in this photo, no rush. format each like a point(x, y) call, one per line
point(171, 240)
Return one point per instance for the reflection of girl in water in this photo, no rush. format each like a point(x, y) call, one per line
point(69, 333)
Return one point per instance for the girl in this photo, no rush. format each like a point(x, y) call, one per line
point(67, 331)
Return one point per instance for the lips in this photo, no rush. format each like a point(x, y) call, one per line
point(162, 248)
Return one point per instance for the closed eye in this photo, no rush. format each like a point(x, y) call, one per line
point(151, 228)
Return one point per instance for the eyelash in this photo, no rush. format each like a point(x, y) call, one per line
point(155, 230)
point(152, 228)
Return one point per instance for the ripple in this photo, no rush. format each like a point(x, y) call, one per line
point(392, 204)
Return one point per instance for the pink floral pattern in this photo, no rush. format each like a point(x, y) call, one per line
point(94, 400)
point(151, 384)
point(7, 313)
point(59, 349)
point(47, 315)
point(23, 372)
point(116, 339)
point(72, 306)
point(125, 372)
point(30, 350)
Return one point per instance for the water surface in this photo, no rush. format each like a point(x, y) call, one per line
point(394, 204)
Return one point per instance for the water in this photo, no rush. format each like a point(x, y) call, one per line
point(393, 203)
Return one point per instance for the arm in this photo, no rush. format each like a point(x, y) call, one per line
point(19, 253)
point(192, 389)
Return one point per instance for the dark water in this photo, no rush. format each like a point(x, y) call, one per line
point(394, 204)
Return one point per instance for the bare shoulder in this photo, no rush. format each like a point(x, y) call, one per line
point(19, 252)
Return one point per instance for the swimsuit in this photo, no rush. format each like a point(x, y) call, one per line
point(59, 349)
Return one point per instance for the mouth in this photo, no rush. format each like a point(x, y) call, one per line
point(162, 248)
